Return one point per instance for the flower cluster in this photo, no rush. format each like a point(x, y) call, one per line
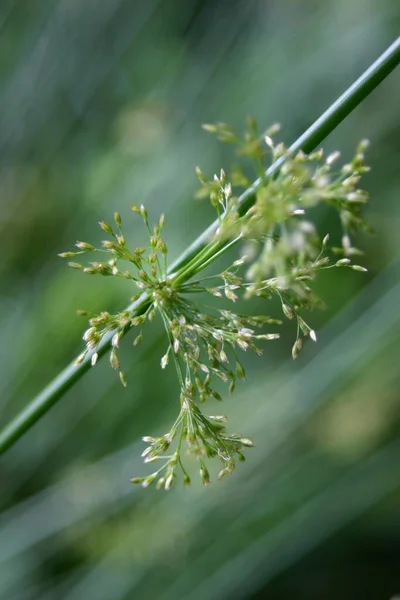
point(281, 241)
point(206, 437)
point(282, 255)
point(147, 272)
point(203, 348)
point(203, 344)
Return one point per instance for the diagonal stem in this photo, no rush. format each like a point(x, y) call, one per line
point(320, 129)
point(314, 135)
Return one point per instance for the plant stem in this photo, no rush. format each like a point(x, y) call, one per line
point(196, 252)
point(217, 250)
point(314, 135)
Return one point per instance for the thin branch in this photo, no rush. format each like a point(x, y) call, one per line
point(321, 128)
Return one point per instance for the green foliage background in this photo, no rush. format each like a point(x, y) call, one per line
point(101, 106)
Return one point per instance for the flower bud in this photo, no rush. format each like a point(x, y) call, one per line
point(106, 227)
point(247, 442)
point(122, 378)
point(223, 356)
point(80, 359)
point(297, 346)
point(224, 472)
point(143, 213)
point(108, 244)
point(332, 158)
point(240, 372)
point(161, 246)
point(67, 254)
point(89, 334)
point(85, 246)
point(269, 141)
point(137, 339)
point(287, 311)
point(204, 474)
point(114, 362)
point(218, 418)
point(210, 127)
point(149, 480)
point(168, 482)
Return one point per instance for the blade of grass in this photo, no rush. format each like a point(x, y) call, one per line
point(296, 536)
point(320, 129)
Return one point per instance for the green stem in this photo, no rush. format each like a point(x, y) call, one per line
point(207, 256)
point(314, 135)
point(189, 268)
point(219, 249)
point(322, 127)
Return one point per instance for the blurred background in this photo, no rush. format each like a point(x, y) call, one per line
point(101, 105)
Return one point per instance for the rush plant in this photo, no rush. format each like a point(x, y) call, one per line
point(279, 254)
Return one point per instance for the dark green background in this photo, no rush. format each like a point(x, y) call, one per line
point(101, 105)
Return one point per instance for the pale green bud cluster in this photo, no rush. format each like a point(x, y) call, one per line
point(285, 248)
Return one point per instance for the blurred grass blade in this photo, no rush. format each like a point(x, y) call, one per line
point(297, 535)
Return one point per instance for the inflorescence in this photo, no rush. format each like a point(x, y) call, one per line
point(282, 253)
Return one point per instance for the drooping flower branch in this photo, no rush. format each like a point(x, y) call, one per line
point(281, 253)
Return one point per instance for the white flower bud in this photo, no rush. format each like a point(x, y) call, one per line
point(246, 442)
point(223, 357)
point(313, 335)
point(269, 141)
point(240, 261)
point(168, 481)
point(332, 158)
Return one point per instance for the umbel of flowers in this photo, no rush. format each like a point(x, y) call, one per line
point(280, 253)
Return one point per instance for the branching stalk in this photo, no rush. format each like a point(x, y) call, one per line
point(201, 252)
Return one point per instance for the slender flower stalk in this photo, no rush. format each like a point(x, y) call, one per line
point(272, 241)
